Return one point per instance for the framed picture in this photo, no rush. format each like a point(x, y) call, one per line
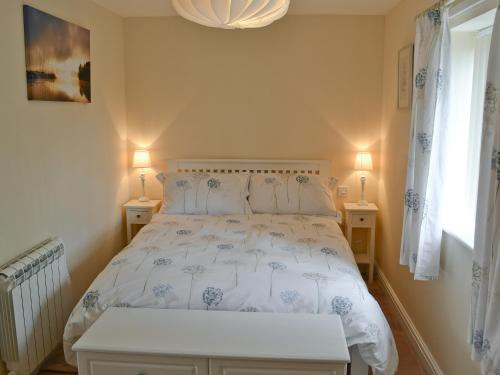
point(57, 58)
point(405, 77)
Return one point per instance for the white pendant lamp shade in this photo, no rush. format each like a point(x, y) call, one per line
point(232, 14)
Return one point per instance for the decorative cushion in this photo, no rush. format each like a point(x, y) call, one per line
point(292, 194)
point(205, 193)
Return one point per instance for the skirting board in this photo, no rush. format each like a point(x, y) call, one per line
point(418, 343)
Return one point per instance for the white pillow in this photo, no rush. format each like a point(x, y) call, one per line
point(292, 194)
point(205, 193)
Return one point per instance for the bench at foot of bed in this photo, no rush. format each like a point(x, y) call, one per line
point(126, 341)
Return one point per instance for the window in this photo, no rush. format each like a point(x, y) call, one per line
point(470, 52)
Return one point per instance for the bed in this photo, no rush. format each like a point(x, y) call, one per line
point(252, 262)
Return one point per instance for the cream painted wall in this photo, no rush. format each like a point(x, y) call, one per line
point(439, 309)
point(63, 165)
point(307, 87)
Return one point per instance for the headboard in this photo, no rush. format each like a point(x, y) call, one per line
point(313, 167)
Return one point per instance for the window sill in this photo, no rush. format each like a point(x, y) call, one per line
point(452, 234)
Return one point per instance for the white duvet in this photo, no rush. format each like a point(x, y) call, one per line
point(267, 263)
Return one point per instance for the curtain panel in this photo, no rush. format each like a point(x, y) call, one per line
point(485, 311)
point(422, 223)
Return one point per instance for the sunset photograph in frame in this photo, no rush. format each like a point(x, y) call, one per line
point(57, 58)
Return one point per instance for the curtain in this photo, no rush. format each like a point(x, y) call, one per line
point(485, 312)
point(422, 222)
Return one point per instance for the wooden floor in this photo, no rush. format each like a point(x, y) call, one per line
point(408, 361)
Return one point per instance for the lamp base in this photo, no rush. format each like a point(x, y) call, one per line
point(362, 201)
point(143, 197)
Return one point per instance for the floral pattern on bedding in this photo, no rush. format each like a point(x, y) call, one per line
point(253, 263)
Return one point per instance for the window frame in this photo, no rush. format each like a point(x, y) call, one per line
point(453, 227)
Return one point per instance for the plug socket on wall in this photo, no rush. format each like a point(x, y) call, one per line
point(343, 191)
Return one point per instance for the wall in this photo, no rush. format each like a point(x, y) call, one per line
point(306, 87)
point(439, 309)
point(64, 170)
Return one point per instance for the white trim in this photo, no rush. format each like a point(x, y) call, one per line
point(456, 236)
point(463, 11)
point(318, 167)
point(418, 343)
point(486, 31)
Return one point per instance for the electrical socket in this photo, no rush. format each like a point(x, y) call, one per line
point(343, 191)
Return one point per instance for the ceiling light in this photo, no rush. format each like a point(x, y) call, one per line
point(232, 14)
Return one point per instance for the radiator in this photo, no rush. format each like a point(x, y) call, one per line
point(34, 297)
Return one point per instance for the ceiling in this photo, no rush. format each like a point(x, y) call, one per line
point(148, 8)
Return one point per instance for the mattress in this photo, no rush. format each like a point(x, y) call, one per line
point(256, 263)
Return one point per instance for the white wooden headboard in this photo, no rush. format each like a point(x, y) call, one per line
point(314, 167)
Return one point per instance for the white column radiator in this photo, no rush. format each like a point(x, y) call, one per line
point(34, 297)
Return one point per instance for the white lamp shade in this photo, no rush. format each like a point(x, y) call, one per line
point(141, 159)
point(363, 161)
point(232, 14)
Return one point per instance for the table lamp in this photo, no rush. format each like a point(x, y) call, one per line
point(363, 164)
point(143, 161)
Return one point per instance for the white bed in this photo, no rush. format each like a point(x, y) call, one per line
point(260, 262)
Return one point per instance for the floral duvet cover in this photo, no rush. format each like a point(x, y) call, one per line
point(258, 263)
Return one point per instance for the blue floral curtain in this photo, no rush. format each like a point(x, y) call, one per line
point(485, 318)
point(422, 223)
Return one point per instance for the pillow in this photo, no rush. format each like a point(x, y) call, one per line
point(204, 193)
point(292, 194)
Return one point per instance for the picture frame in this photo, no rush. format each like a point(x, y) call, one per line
point(405, 77)
point(57, 58)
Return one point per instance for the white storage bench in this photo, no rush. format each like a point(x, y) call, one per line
point(128, 341)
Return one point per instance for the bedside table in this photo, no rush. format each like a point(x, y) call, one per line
point(362, 217)
point(139, 213)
